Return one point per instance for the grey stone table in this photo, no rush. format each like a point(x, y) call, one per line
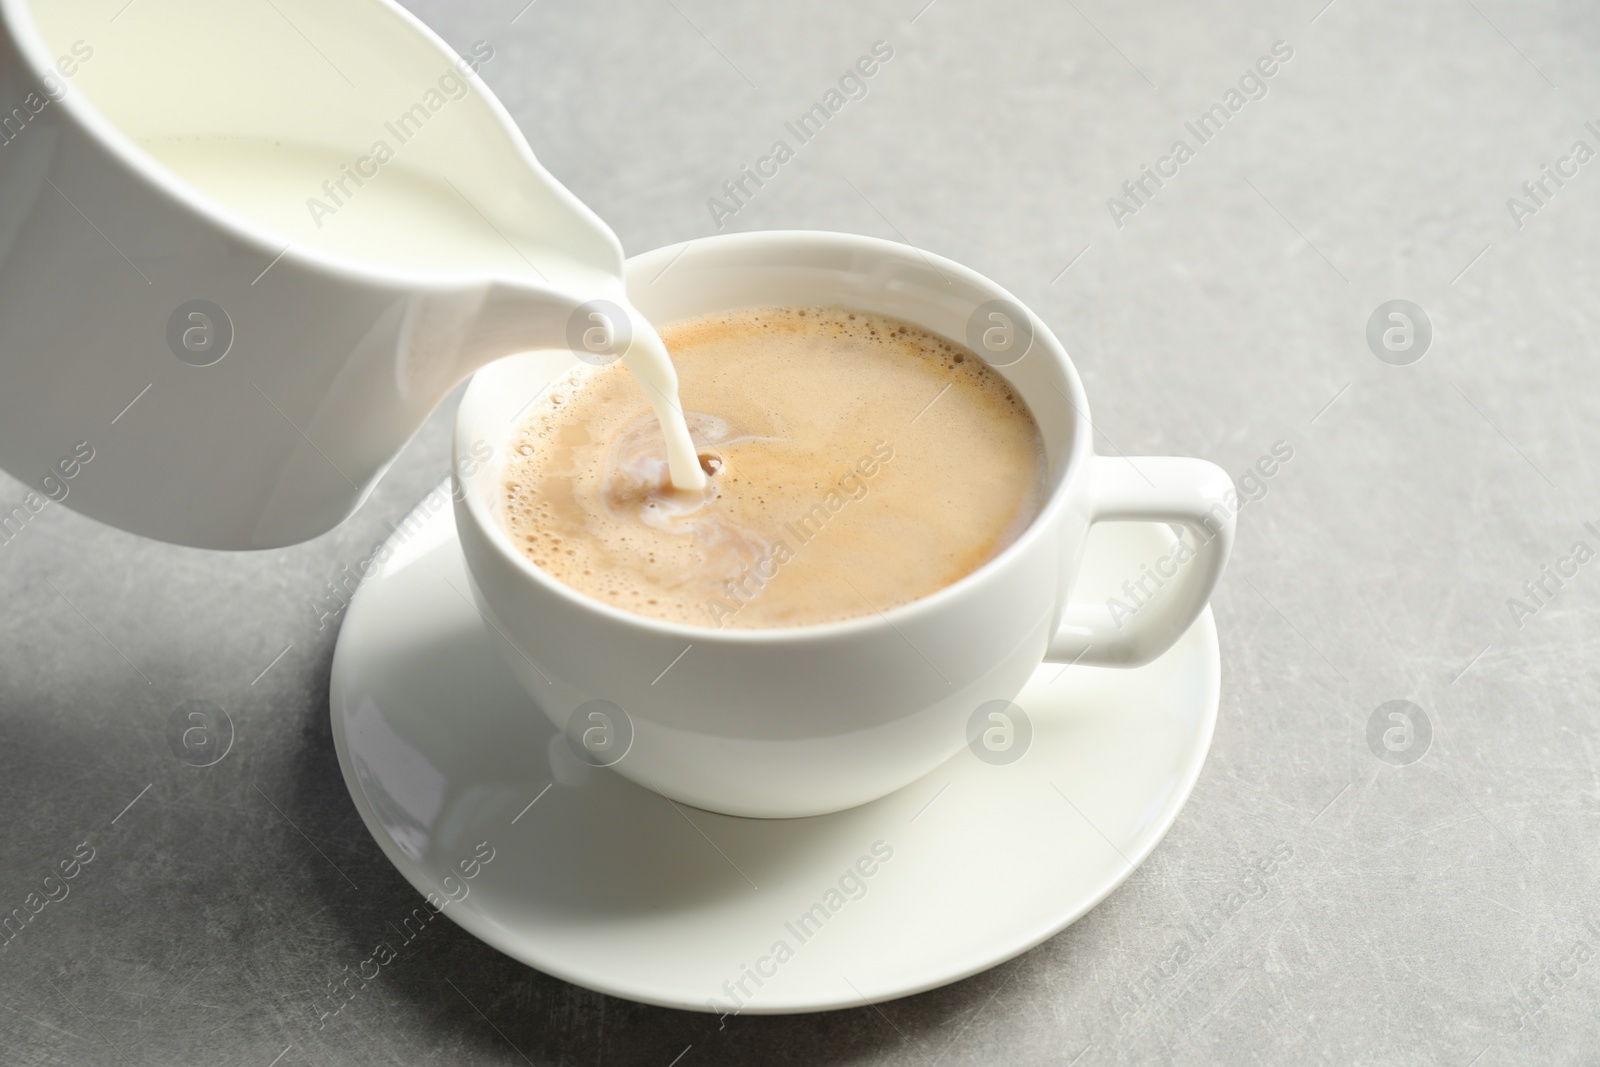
point(1434, 909)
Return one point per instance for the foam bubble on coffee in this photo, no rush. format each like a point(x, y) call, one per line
point(859, 463)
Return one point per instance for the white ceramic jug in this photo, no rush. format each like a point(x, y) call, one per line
point(246, 248)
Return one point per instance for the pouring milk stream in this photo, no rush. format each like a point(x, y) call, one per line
point(245, 249)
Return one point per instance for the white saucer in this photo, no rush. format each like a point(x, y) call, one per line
point(612, 887)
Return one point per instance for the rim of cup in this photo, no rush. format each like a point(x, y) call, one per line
point(1059, 481)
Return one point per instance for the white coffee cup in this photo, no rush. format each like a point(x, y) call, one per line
point(808, 720)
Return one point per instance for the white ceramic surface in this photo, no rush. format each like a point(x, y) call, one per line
point(808, 720)
point(318, 366)
point(613, 887)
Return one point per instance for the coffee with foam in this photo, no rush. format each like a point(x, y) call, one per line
point(858, 463)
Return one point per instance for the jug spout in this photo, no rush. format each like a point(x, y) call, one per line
point(513, 317)
point(391, 380)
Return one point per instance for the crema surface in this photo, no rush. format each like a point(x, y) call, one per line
point(859, 463)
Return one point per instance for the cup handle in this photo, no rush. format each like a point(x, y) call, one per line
point(1130, 630)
